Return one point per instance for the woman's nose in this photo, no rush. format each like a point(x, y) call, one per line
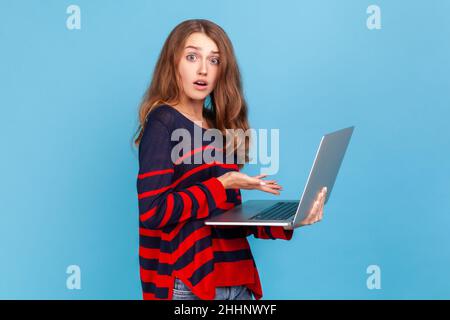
point(202, 68)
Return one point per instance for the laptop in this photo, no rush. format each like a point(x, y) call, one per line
point(290, 213)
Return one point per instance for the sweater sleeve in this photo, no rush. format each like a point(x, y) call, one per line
point(270, 232)
point(266, 232)
point(160, 202)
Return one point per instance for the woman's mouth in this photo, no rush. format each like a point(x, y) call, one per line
point(200, 85)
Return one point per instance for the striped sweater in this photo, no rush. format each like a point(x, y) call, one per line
point(174, 199)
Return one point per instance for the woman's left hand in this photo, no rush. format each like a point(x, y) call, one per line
point(316, 212)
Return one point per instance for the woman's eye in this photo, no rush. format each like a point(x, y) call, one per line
point(215, 61)
point(191, 57)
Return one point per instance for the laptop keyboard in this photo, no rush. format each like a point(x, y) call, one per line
point(279, 211)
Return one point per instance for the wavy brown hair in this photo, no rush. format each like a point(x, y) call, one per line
point(227, 108)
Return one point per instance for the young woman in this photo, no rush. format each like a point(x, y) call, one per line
point(196, 85)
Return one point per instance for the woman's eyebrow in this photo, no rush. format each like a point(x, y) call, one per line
point(200, 49)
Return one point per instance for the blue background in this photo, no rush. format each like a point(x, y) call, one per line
point(69, 101)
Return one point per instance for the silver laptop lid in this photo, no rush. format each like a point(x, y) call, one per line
point(325, 168)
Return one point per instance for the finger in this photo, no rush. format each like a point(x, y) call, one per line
point(275, 186)
point(268, 189)
point(315, 210)
point(315, 213)
point(272, 190)
point(260, 176)
point(310, 219)
point(321, 208)
point(324, 192)
point(317, 205)
point(316, 219)
point(322, 203)
point(311, 214)
point(256, 181)
point(306, 221)
point(319, 216)
point(267, 182)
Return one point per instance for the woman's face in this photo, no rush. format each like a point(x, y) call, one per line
point(199, 62)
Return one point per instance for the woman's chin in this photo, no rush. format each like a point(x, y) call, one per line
point(197, 95)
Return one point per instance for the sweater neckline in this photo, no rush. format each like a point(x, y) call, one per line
point(187, 119)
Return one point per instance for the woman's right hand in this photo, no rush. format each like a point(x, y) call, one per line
point(239, 180)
